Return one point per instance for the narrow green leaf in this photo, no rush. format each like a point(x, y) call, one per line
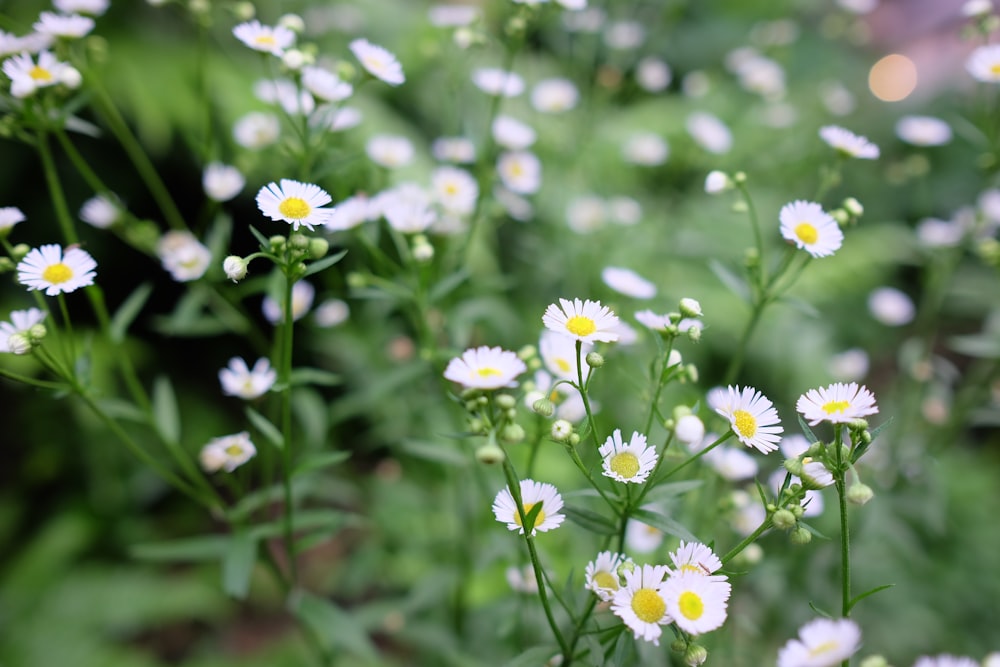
point(531, 517)
point(979, 345)
point(806, 430)
point(319, 461)
point(128, 311)
point(447, 285)
point(672, 489)
point(165, 412)
point(324, 263)
point(122, 409)
point(730, 279)
point(813, 530)
point(862, 596)
point(265, 243)
point(539, 655)
point(591, 521)
point(314, 376)
point(237, 564)
point(802, 306)
point(335, 628)
point(822, 612)
point(266, 428)
point(436, 452)
point(191, 549)
point(664, 523)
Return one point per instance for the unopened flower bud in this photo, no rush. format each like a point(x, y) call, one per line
point(716, 182)
point(626, 566)
point(691, 371)
point(19, 343)
point(476, 425)
point(859, 494)
point(71, 77)
point(37, 332)
point(690, 308)
point(689, 429)
point(235, 268)
point(527, 352)
point(490, 454)
point(561, 430)
point(544, 407)
point(695, 655)
point(574, 439)
point(674, 358)
point(505, 401)
point(854, 207)
point(293, 59)
point(18, 252)
point(793, 466)
point(293, 22)
point(244, 11)
point(298, 241)
point(277, 243)
point(694, 334)
point(512, 433)
point(879, 661)
point(797, 511)
point(318, 248)
point(595, 360)
point(422, 249)
point(784, 519)
point(678, 645)
point(841, 216)
point(740, 177)
point(800, 536)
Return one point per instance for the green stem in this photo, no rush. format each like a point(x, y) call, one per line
point(845, 546)
point(285, 374)
point(694, 457)
point(582, 388)
point(736, 362)
point(755, 225)
point(63, 216)
point(664, 374)
point(747, 541)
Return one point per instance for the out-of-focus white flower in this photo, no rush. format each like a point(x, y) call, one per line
point(10, 216)
point(452, 16)
point(183, 255)
point(378, 61)
point(455, 190)
point(624, 211)
point(495, 81)
point(237, 379)
point(837, 98)
point(325, 85)
point(222, 182)
point(554, 95)
point(848, 143)
point(92, 7)
point(28, 75)
point(257, 130)
point(512, 134)
point(302, 299)
point(101, 211)
point(891, 306)
point(390, 151)
point(350, 213)
point(284, 92)
point(646, 149)
point(849, 366)
point(454, 149)
point(407, 208)
point(923, 130)
point(63, 25)
point(628, 282)
point(331, 313)
point(709, 132)
point(653, 74)
point(589, 20)
point(696, 84)
point(520, 172)
point(625, 35)
point(586, 213)
point(264, 38)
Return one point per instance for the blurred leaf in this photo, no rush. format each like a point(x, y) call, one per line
point(265, 427)
point(324, 263)
point(663, 492)
point(813, 530)
point(237, 564)
point(311, 411)
point(319, 461)
point(128, 311)
point(119, 408)
point(862, 596)
point(664, 523)
point(334, 627)
point(431, 451)
point(981, 345)
point(447, 285)
point(314, 376)
point(165, 412)
point(302, 520)
point(539, 655)
point(736, 284)
point(802, 306)
point(265, 243)
point(202, 548)
point(591, 521)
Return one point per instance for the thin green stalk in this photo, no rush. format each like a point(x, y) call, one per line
point(582, 388)
point(736, 361)
point(747, 541)
point(58, 197)
point(755, 225)
point(694, 457)
point(845, 539)
point(285, 374)
point(586, 473)
point(24, 379)
point(664, 373)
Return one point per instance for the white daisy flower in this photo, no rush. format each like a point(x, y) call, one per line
point(641, 603)
point(847, 143)
point(92, 7)
point(837, 403)
point(56, 271)
point(227, 453)
point(331, 313)
point(732, 464)
point(624, 211)
point(294, 202)
point(554, 95)
point(459, 150)
point(343, 118)
point(709, 132)
point(695, 557)
point(602, 574)
point(695, 602)
point(512, 134)
point(934, 233)
point(751, 416)
point(532, 493)
point(641, 538)
point(350, 213)
point(264, 38)
point(558, 353)
point(303, 294)
point(222, 182)
point(390, 151)
point(809, 227)
point(984, 63)
point(516, 206)
point(102, 210)
point(406, 207)
point(238, 379)
point(586, 213)
point(652, 320)
point(183, 255)
point(973, 8)
point(325, 85)
point(256, 130)
point(851, 364)
point(495, 81)
point(891, 306)
point(822, 642)
point(485, 368)
point(628, 282)
point(520, 172)
point(63, 25)
point(21, 322)
point(379, 62)
point(646, 149)
point(28, 75)
point(923, 130)
point(522, 579)
point(653, 74)
point(632, 462)
point(859, 6)
point(815, 474)
point(717, 181)
point(945, 660)
point(586, 321)
point(295, 101)
point(10, 216)
point(455, 190)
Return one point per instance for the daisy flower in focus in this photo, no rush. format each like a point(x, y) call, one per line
point(628, 282)
point(847, 143)
point(696, 603)
point(379, 62)
point(751, 415)
point(227, 453)
point(837, 403)
point(264, 38)
point(632, 462)
point(586, 321)
point(239, 380)
point(822, 642)
point(532, 493)
point(809, 227)
point(51, 269)
point(641, 603)
point(294, 202)
point(602, 574)
point(21, 322)
point(695, 557)
point(485, 368)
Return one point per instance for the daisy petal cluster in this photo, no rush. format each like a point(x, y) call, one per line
point(238, 379)
point(455, 190)
point(642, 604)
point(837, 403)
point(586, 321)
point(222, 182)
point(984, 63)
point(378, 62)
point(227, 453)
point(495, 81)
point(63, 25)
point(28, 75)
point(520, 171)
point(485, 368)
point(810, 228)
point(923, 130)
point(697, 603)
point(627, 462)
point(183, 255)
point(56, 271)
point(92, 7)
point(628, 282)
point(695, 557)
point(303, 294)
point(602, 574)
point(20, 323)
point(10, 216)
point(532, 493)
point(294, 202)
point(822, 642)
point(264, 38)
point(751, 415)
point(847, 143)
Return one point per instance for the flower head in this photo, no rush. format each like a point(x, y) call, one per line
point(822, 642)
point(532, 493)
point(558, 353)
point(641, 603)
point(238, 380)
point(602, 574)
point(28, 75)
point(695, 602)
point(21, 322)
point(695, 557)
point(495, 81)
point(485, 368)
point(303, 294)
point(102, 211)
point(837, 403)
point(93, 7)
point(512, 133)
point(63, 25)
point(455, 190)
point(632, 462)
point(183, 255)
point(923, 130)
point(809, 227)
point(520, 171)
point(751, 415)
point(379, 62)
point(628, 282)
point(10, 216)
point(390, 151)
point(222, 182)
point(709, 132)
point(554, 95)
point(264, 38)
point(847, 143)
point(586, 321)
point(945, 660)
point(407, 208)
point(227, 453)
point(890, 306)
point(294, 202)
point(641, 537)
point(256, 130)
point(55, 271)
point(984, 63)
point(325, 85)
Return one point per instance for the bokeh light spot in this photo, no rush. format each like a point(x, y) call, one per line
point(893, 78)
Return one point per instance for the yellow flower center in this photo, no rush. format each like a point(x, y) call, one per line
point(516, 169)
point(57, 273)
point(648, 605)
point(835, 406)
point(39, 73)
point(294, 207)
point(487, 371)
point(690, 567)
point(606, 580)
point(995, 69)
point(578, 325)
point(690, 605)
point(234, 450)
point(451, 189)
point(825, 647)
point(625, 464)
point(806, 232)
point(265, 40)
point(744, 423)
point(539, 519)
point(563, 365)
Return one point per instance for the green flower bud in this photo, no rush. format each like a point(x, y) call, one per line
point(5, 263)
point(235, 268)
point(490, 454)
point(512, 433)
point(18, 252)
point(595, 360)
point(476, 425)
point(793, 466)
point(854, 207)
point(37, 332)
point(244, 11)
point(527, 352)
point(800, 536)
point(690, 308)
point(483, 401)
point(421, 248)
point(561, 430)
point(19, 343)
point(694, 334)
point(784, 519)
point(574, 439)
point(691, 372)
point(298, 241)
point(678, 645)
point(740, 177)
point(293, 22)
point(510, 414)
point(858, 424)
point(874, 661)
point(859, 494)
point(472, 406)
point(506, 401)
point(277, 243)
point(318, 248)
point(841, 216)
point(356, 280)
point(797, 511)
point(695, 655)
point(544, 407)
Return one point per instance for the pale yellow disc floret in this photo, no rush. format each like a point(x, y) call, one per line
point(744, 423)
point(295, 208)
point(57, 273)
point(648, 605)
